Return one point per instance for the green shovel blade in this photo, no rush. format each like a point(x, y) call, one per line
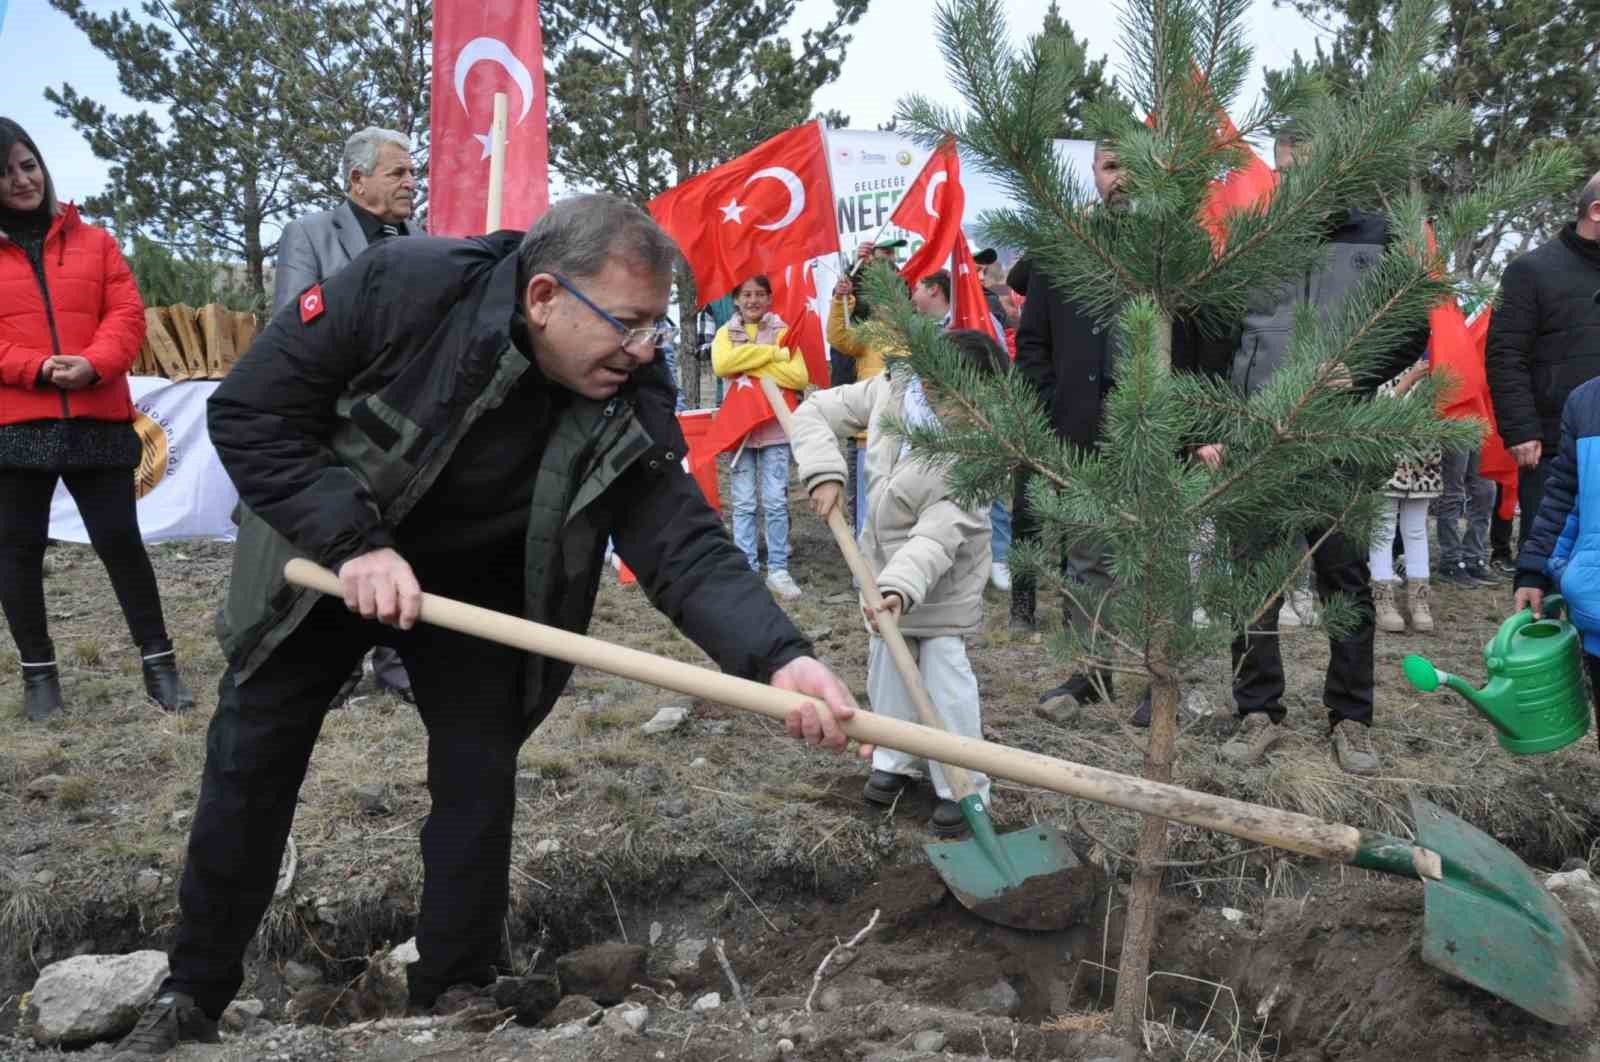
point(1026, 879)
point(1491, 923)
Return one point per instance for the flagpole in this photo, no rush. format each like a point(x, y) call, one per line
point(497, 163)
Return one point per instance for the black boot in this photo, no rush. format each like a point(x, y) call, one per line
point(161, 679)
point(41, 691)
point(1081, 690)
point(1023, 620)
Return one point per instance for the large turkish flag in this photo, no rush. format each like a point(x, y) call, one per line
point(481, 47)
point(932, 208)
point(768, 208)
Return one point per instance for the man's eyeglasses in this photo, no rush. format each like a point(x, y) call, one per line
point(634, 340)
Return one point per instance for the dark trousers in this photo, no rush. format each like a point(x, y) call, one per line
point(1530, 495)
point(1499, 529)
point(1340, 567)
point(105, 499)
point(469, 693)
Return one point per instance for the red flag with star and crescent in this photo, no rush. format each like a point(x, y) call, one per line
point(481, 48)
point(932, 208)
point(794, 300)
point(744, 408)
point(768, 208)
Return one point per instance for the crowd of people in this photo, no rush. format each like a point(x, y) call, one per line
point(493, 433)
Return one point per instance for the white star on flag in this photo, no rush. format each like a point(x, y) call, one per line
point(732, 212)
point(487, 140)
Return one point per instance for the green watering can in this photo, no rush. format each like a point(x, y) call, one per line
point(1535, 697)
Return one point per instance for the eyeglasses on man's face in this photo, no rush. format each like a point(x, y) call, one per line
point(634, 340)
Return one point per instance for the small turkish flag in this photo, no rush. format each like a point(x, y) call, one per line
point(794, 300)
point(744, 409)
point(311, 304)
point(968, 307)
point(932, 209)
point(769, 207)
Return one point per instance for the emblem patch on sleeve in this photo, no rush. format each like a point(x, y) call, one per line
point(312, 304)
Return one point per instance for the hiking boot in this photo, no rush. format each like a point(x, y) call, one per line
point(1352, 747)
point(161, 679)
point(1387, 615)
point(1256, 735)
point(1417, 599)
point(1081, 689)
point(168, 1020)
point(884, 787)
point(1504, 563)
point(41, 691)
point(1456, 575)
point(1022, 619)
point(781, 583)
point(1000, 576)
point(947, 820)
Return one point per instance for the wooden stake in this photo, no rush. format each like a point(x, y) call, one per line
point(497, 163)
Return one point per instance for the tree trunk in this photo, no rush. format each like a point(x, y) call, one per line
point(688, 336)
point(1144, 897)
point(250, 222)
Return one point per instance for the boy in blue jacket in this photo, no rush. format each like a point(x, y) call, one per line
point(1562, 551)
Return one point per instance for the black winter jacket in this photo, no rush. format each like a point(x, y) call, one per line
point(341, 416)
point(1544, 337)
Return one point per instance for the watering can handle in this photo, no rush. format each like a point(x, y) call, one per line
point(1501, 645)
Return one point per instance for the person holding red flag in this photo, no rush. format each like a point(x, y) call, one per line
point(751, 345)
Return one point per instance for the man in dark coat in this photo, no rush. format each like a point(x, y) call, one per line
point(467, 416)
point(1544, 340)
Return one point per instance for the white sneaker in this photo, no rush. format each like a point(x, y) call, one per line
point(782, 584)
point(1000, 577)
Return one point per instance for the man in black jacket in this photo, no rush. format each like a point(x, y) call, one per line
point(1544, 340)
point(469, 416)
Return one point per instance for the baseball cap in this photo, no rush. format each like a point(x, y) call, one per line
point(986, 256)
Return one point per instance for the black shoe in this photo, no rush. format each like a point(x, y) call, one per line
point(342, 698)
point(41, 691)
point(1023, 620)
point(1456, 575)
point(883, 787)
point(1481, 575)
point(168, 1020)
point(1141, 714)
point(1080, 689)
point(162, 682)
point(1504, 563)
point(947, 820)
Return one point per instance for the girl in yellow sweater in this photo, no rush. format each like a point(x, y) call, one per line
point(749, 344)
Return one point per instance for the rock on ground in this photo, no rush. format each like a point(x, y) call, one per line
point(92, 997)
point(603, 972)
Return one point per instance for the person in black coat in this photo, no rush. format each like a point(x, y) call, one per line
point(1544, 341)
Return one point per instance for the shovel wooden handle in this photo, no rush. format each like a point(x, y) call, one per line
point(960, 779)
point(1281, 829)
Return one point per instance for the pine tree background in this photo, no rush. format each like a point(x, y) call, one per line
point(1304, 453)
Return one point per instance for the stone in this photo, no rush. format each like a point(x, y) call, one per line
point(1196, 703)
point(719, 728)
point(830, 999)
point(1233, 914)
point(298, 976)
point(707, 1003)
point(930, 1041)
point(655, 933)
point(406, 953)
point(547, 847)
point(43, 787)
point(147, 882)
point(242, 1013)
point(674, 807)
point(686, 955)
point(999, 999)
point(604, 972)
point(667, 719)
point(572, 1010)
point(92, 997)
point(1569, 879)
point(531, 997)
point(1575, 889)
point(372, 798)
point(45, 878)
point(627, 1020)
point(785, 1046)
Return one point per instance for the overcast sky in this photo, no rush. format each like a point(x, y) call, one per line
point(893, 53)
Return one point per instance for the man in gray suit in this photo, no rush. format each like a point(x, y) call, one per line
point(380, 189)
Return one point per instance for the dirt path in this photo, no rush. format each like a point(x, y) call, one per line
point(722, 828)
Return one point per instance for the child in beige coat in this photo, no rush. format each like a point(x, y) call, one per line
point(932, 558)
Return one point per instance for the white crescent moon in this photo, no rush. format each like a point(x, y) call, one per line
point(927, 197)
point(797, 194)
point(492, 50)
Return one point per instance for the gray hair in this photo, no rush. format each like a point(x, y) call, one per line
point(1590, 193)
point(361, 150)
point(578, 236)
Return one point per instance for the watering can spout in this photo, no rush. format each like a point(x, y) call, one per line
point(1495, 702)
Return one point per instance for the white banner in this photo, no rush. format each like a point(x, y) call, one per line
point(182, 490)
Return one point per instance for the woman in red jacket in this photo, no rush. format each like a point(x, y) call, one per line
point(71, 322)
